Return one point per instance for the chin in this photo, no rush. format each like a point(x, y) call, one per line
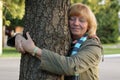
point(76, 33)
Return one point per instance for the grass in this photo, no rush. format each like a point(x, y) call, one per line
point(108, 49)
point(111, 51)
point(10, 52)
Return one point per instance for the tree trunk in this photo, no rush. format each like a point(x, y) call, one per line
point(1, 24)
point(47, 23)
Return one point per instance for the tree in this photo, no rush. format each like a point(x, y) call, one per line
point(108, 21)
point(12, 10)
point(1, 27)
point(47, 23)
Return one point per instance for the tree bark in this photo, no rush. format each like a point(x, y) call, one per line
point(47, 23)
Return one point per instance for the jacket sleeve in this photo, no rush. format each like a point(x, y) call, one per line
point(88, 56)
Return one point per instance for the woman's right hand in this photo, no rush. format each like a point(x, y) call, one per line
point(18, 39)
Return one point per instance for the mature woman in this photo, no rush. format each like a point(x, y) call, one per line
point(86, 53)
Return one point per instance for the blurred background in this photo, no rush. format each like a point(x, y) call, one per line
point(107, 13)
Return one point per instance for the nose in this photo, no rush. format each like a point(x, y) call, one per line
point(76, 22)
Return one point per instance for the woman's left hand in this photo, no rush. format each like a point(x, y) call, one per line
point(28, 44)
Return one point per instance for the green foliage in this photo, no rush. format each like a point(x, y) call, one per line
point(108, 22)
point(13, 21)
point(107, 17)
point(13, 9)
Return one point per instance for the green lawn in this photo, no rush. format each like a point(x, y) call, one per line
point(108, 49)
point(111, 48)
point(111, 51)
point(10, 52)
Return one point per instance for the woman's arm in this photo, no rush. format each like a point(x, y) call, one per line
point(88, 56)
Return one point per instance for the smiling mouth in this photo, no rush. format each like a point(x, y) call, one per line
point(75, 28)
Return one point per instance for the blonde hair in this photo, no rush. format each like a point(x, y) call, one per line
point(79, 9)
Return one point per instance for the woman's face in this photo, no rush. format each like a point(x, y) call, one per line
point(78, 26)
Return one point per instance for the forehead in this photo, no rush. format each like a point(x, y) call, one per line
point(79, 11)
point(82, 17)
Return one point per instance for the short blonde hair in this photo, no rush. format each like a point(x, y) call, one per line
point(79, 9)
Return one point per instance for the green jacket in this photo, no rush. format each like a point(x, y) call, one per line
point(86, 61)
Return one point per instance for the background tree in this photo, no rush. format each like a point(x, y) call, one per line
point(108, 21)
point(13, 11)
point(1, 27)
point(47, 23)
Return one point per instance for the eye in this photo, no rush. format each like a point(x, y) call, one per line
point(82, 20)
point(78, 18)
point(72, 18)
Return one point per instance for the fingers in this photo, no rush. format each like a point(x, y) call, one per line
point(23, 45)
point(18, 43)
point(28, 36)
point(19, 47)
point(21, 50)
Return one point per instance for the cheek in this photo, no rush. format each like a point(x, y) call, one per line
point(86, 27)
